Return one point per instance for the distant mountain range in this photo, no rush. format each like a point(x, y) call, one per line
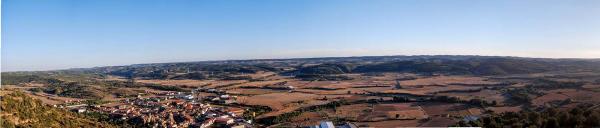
point(442, 64)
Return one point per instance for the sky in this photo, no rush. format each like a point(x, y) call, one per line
point(61, 34)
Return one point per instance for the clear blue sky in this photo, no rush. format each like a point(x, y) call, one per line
point(59, 34)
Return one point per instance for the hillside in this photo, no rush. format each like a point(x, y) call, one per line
point(494, 66)
point(464, 65)
point(20, 110)
point(478, 66)
point(321, 68)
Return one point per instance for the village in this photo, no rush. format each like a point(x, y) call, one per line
point(171, 109)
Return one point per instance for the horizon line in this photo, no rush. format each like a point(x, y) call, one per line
point(315, 57)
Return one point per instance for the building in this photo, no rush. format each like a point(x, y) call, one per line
point(207, 123)
point(229, 101)
point(236, 111)
point(189, 97)
point(348, 125)
point(224, 96)
point(324, 124)
point(329, 124)
point(223, 120)
point(79, 110)
point(470, 118)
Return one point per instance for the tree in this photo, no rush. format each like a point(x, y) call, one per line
point(463, 124)
point(475, 123)
point(564, 119)
point(552, 123)
point(535, 118)
point(593, 119)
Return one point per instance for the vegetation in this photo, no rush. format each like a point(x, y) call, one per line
point(237, 78)
point(287, 116)
point(522, 95)
point(550, 84)
point(19, 110)
point(314, 77)
point(475, 66)
point(9, 79)
point(578, 117)
point(15, 79)
point(331, 68)
point(495, 66)
point(164, 87)
point(253, 111)
point(75, 90)
point(104, 117)
point(200, 70)
point(193, 76)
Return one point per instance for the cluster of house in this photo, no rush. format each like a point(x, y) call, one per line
point(223, 99)
point(220, 97)
point(69, 104)
point(173, 110)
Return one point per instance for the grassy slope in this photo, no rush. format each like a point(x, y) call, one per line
point(20, 110)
